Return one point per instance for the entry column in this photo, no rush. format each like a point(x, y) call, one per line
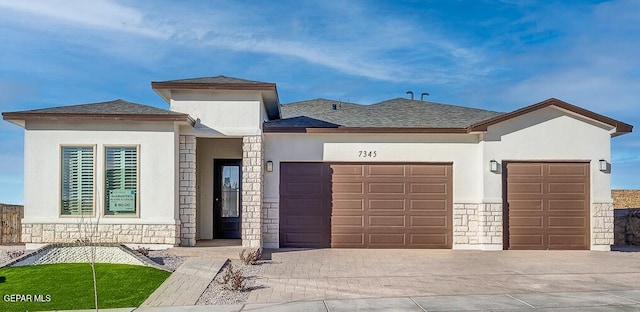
point(252, 188)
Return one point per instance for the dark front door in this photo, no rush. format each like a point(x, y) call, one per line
point(227, 198)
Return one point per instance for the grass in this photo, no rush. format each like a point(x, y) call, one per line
point(70, 285)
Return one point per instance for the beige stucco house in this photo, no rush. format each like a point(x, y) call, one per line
point(227, 160)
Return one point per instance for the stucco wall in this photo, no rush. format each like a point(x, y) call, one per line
point(207, 151)
point(157, 167)
point(221, 113)
point(461, 149)
point(552, 134)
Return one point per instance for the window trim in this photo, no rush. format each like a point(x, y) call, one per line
point(104, 181)
point(60, 173)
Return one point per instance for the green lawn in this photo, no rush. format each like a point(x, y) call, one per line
point(70, 286)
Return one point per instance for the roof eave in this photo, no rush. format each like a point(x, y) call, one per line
point(269, 92)
point(123, 117)
point(621, 127)
point(364, 130)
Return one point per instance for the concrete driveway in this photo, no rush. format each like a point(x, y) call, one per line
point(329, 274)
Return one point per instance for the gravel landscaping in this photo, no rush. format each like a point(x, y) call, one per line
point(6, 253)
point(216, 293)
point(163, 257)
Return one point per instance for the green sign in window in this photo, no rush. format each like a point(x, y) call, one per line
point(122, 200)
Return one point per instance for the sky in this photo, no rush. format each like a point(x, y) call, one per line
point(493, 54)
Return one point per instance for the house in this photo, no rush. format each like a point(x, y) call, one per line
point(227, 160)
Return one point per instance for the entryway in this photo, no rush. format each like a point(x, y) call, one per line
point(227, 205)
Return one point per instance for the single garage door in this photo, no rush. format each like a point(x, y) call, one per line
point(305, 205)
point(366, 205)
point(548, 205)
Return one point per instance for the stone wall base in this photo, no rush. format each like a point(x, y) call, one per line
point(270, 224)
point(39, 233)
point(601, 226)
point(477, 226)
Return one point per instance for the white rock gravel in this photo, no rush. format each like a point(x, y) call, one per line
point(7, 251)
point(216, 293)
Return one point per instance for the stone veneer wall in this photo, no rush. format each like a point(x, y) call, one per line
point(108, 233)
point(252, 190)
point(477, 224)
point(187, 191)
point(465, 224)
point(270, 224)
point(602, 224)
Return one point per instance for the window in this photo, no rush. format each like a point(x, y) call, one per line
point(77, 176)
point(121, 181)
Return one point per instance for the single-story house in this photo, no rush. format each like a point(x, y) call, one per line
point(227, 160)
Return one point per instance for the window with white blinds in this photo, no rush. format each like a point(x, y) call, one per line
point(121, 180)
point(77, 180)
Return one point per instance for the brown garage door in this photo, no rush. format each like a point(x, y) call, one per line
point(305, 204)
point(391, 206)
point(548, 205)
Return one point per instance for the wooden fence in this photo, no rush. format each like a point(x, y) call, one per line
point(10, 220)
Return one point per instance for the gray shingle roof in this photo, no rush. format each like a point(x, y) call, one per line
point(115, 107)
point(216, 79)
point(395, 113)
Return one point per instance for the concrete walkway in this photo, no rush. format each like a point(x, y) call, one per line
point(186, 284)
point(535, 302)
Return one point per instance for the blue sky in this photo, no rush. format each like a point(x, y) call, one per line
point(497, 55)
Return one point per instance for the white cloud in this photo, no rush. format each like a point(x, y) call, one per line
point(95, 13)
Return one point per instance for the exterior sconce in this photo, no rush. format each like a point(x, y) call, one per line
point(603, 165)
point(269, 166)
point(493, 165)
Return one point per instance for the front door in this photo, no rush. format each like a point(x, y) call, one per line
point(227, 194)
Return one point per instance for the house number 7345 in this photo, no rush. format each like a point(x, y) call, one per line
point(367, 154)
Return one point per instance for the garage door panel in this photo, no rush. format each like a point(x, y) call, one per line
point(386, 239)
point(531, 240)
point(348, 204)
point(385, 221)
point(303, 239)
point(302, 188)
point(386, 188)
point(432, 171)
point(428, 188)
point(555, 218)
point(348, 188)
point(577, 206)
point(429, 205)
point(565, 170)
point(347, 240)
point(567, 188)
point(387, 204)
point(528, 222)
point(386, 171)
point(567, 241)
point(345, 171)
point(428, 240)
point(525, 169)
point(526, 205)
point(567, 222)
point(348, 221)
point(517, 188)
point(428, 221)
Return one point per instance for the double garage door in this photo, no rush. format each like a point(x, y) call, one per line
point(365, 205)
point(410, 205)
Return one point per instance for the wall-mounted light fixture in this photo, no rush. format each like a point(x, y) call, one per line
point(603, 165)
point(269, 166)
point(493, 165)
